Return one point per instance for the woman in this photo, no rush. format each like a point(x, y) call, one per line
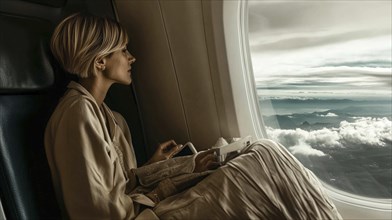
point(93, 165)
point(88, 146)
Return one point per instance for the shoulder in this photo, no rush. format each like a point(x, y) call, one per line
point(73, 114)
point(75, 107)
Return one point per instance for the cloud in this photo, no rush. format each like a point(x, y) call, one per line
point(339, 46)
point(323, 138)
point(306, 149)
point(349, 80)
point(330, 114)
point(364, 55)
point(297, 41)
point(375, 132)
point(372, 132)
point(296, 20)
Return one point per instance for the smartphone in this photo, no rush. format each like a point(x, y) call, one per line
point(186, 149)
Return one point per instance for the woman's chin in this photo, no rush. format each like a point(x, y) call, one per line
point(125, 82)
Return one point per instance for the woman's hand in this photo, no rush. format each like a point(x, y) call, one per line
point(206, 160)
point(165, 151)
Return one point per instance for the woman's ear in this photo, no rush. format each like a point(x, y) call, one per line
point(100, 63)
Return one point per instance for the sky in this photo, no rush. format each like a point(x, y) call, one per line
point(322, 49)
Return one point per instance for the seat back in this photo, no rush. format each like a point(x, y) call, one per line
point(26, 76)
point(31, 84)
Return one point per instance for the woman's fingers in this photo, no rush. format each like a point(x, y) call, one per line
point(170, 148)
point(206, 160)
point(205, 153)
point(209, 157)
point(167, 144)
point(164, 151)
point(173, 151)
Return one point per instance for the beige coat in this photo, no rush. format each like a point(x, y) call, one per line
point(91, 158)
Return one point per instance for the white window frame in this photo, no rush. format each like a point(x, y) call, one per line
point(235, 18)
point(243, 85)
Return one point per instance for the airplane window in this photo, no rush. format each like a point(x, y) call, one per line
point(323, 77)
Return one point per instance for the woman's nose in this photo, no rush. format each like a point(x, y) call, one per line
point(131, 58)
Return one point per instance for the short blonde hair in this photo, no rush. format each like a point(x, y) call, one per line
point(80, 39)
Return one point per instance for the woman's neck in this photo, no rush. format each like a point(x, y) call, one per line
point(97, 87)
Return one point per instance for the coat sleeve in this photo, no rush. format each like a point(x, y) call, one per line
point(151, 174)
point(92, 184)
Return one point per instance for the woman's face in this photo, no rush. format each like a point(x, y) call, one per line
point(118, 66)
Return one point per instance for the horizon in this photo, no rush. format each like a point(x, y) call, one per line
point(326, 98)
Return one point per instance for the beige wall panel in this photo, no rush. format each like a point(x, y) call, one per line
point(213, 23)
point(186, 34)
point(153, 73)
point(180, 76)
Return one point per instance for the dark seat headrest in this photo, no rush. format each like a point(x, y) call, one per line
point(24, 54)
point(51, 3)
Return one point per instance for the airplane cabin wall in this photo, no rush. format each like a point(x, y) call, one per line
point(180, 75)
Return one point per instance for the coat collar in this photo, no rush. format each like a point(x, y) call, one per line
point(107, 113)
point(76, 86)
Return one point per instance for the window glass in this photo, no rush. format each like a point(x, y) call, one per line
point(323, 77)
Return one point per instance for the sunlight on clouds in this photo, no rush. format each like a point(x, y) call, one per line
point(305, 149)
point(372, 132)
point(329, 114)
point(325, 138)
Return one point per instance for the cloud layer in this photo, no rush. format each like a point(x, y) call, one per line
point(319, 47)
point(364, 131)
point(297, 24)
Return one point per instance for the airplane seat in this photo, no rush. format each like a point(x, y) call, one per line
point(27, 97)
point(31, 83)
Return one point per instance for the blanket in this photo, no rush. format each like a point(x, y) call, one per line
point(264, 182)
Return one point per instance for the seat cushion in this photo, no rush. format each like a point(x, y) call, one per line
point(24, 171)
